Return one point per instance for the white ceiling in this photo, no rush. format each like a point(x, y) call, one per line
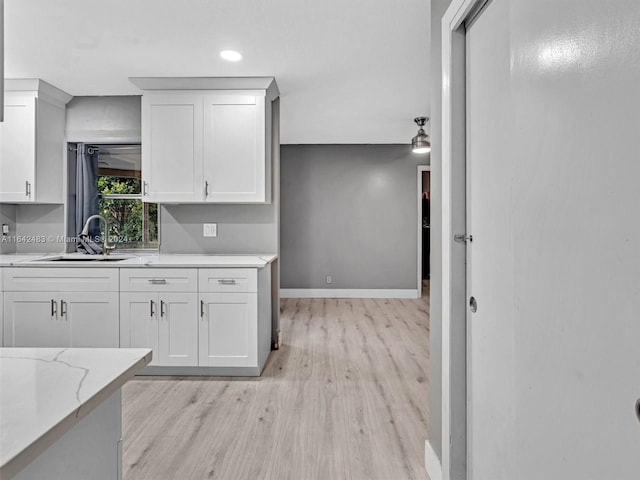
point(349, 71)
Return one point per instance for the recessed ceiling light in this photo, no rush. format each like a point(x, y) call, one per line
point(231, 55)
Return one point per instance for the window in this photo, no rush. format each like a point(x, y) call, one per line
point(132, 222)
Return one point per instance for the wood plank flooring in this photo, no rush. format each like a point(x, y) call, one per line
point(344, 398)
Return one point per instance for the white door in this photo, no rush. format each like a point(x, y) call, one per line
point(18, 149)
point(93, 319)
point(178, 323)
point(32, 319)
point(490, 379)
point(228, 329)
point(139, 321)
point(172, 148)
point(234, 148)
point(553, 109)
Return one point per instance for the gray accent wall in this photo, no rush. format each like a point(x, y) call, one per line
point(349, 211)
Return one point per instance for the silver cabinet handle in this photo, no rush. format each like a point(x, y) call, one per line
point(63, 308)
point(144, 188)
point(201, 308)
point(54, 307)
point(27, 188)
point(157, 281)
point(206, 189)
point(226, 281)
point(162, 308)
point(152, 311)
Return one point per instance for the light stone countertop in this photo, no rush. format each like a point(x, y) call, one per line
point(127, 259)
point(44, 392)
point(11, 258)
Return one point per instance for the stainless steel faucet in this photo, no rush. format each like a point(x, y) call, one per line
point(85, 231)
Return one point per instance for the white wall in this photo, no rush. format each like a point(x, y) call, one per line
point(438, 7)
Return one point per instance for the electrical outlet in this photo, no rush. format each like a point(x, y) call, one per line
point(329, 279)
point(209, 229)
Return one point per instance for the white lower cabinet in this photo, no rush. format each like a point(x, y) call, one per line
point(60, 319)
point(60, 307)
point(228, 331)
point(197, 321)
point(166, 322)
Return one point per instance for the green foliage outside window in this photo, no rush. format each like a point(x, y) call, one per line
point(132, 223)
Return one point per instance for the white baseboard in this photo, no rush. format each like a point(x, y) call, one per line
point(347, 293)
point(432, 462)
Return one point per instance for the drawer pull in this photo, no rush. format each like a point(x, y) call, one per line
point(201, 308)
point(54, 307)
point(226, 281)
point(63, 308)
point(162, 308)
point(157, 281)
point(152, 311)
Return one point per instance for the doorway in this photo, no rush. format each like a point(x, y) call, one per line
point(424, 228)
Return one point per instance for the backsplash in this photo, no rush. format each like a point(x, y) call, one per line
point(8, 217)
point(241, 229)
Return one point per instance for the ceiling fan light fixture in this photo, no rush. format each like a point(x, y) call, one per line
point(420, 143)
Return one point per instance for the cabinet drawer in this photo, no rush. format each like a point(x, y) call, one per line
point(158, 279)
point(60, 279)
point(228, 280)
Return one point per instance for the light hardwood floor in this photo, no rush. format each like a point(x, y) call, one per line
point(344, 398)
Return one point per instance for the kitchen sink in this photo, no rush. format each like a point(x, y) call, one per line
point(117, 257)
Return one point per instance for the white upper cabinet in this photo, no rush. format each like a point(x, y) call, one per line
point(32, 143)
point(207, 139)
point(172, 148)
point(234, 149)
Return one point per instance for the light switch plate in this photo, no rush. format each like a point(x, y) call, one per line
point(5, 229)
point(209, 229)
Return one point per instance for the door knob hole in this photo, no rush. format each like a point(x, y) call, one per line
point(473, 305)
point(638, 410)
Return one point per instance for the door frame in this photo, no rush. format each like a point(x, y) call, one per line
point(421, 169)
point(454, 332)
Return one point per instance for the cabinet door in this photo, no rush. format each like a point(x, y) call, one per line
point(32, 319)
point(228, 330)
point(92, 318)
point(18, 149)
point(139, 322)
point(234, 149)
point(178, 322)
point(172, 148)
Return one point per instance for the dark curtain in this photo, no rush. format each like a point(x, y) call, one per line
point(87, 189)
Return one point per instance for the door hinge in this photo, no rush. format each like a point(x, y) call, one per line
point(462, 238)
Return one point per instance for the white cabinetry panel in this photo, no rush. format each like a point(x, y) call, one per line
point(234, 149)
point(18, 149)
point(228, 333)
point(32, 142)
point(69, 319)
point(207, 140)
point(162, 314)
point(172, 148)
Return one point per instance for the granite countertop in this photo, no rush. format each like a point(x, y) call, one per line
point(44, 392)
point(138, 260)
